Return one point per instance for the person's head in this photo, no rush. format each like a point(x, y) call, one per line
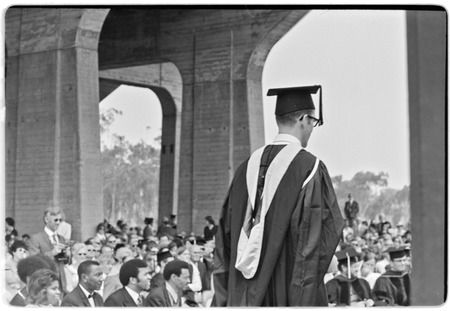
point(368, 265)
point(136, 275)
point(148, 221)
point(164, 257)
point(173, 248)
point(52, 217)
point(398, 258)
point(295, 111)
point(90, 250)
point(165, 220)
point(122, 253)
point(107, 250)
point(79, 252)
point(176, 272)
point(111, 241)
point(350, 198)
point(101, 228)
point(43, 288)
point(27, 266)
point(210, 220)
point(195, 253)
point(19, 250)
point(10, 223)
point(348, 261)
point(90, 275)
point(183, 254)
point(106, 262)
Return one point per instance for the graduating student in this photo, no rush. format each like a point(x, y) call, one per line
point(346, 289)
point(280, 222)
point(393, 287)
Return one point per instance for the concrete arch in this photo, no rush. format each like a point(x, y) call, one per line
point(165, 81)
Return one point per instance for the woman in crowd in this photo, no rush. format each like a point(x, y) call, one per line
point(43, 289)
point(78, 252)
point(18, 251)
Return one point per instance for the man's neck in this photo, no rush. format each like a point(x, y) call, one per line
point(49, 230)
point(134, 288)
point(86, 288)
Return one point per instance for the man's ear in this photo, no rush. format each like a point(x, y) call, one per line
point(133, 280)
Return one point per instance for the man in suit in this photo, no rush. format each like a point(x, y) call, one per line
point(135, 278)
point(90, 275)
point(50, 243)
point(176, 276)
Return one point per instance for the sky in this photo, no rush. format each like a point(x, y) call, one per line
point(359, 58)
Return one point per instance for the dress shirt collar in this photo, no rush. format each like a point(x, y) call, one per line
point(172, 293)
point(133, 294)
point(49, 232)
point(284, 139)
point(91, 299)
point(84, 290)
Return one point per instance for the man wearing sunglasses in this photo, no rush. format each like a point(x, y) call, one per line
point(48, 242)
point(280, 223)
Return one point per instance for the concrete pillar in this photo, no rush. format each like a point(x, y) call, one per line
point(52, 93)
point(427, 65)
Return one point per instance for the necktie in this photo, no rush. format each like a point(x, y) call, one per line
point(55, 239)
point(139, 301)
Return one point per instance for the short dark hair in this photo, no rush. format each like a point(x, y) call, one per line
point(18, 244)
point(85, 267)
point(27, 266)
point(10, 221)
point(130, 269)
point(174, 267)
point(292, 117)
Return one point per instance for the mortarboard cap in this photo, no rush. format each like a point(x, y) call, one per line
point(343, 255)
point(396, 252)
point(293, 99)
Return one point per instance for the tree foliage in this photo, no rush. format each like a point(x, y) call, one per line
point(374, 196)
point(130, 176)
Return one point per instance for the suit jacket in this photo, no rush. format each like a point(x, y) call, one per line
point(206, 281)
point(77, 298)
point(159, 297)
point(18, 299)
point(40, 243)
point(120, 298)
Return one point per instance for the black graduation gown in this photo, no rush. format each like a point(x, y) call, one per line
point(301, 232)
point(338, 290)
point(392, 288)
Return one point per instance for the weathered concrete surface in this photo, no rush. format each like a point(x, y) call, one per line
point(428, 67)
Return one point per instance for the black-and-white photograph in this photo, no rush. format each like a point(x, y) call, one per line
point(224, 155)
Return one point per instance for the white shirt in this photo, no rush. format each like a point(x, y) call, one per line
point(91, 300)
point(284, 139)
point(196, 282)
point(133, 295)
point(65, 229)
point(172, 293)
point(52, 234)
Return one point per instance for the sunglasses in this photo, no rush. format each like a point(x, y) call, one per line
point(81, 254)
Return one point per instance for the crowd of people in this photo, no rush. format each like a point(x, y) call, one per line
point(121, 265)
point(371, 266)
point(158, 266)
